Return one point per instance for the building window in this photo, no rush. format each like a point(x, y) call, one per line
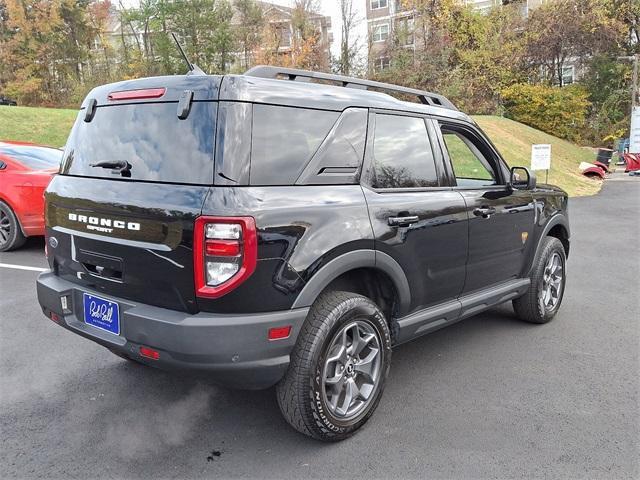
point(375, 4)
point(283, 33)
point(380, 32)
point(568, 75)
point(404, 31)
point(382, 63)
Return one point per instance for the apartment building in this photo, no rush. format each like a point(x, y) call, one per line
point(388, 21)
point(390, 24)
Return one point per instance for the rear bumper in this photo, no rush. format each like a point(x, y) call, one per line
point(231, 349)
point(32, 225)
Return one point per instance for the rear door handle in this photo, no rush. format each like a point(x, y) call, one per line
point(402, 221)
point(484, 212)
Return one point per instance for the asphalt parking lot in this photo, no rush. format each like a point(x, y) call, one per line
point(489, 397)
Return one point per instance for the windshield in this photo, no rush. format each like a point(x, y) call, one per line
point(35, 158)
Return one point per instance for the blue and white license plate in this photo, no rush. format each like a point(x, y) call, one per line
point(101, 313)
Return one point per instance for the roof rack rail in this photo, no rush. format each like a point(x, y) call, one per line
point(427, 98)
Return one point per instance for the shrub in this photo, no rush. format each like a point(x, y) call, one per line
point(558, 111)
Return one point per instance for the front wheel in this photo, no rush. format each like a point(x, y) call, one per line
point(548, 277)
point(338, 367)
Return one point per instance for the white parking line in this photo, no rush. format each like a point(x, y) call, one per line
point(23, 267)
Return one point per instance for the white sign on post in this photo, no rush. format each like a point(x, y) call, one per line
point(634, 137)
point(540, 157)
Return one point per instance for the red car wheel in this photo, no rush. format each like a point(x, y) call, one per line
point(11, 236)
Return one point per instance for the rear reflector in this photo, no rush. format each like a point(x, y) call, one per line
point(149, 353)
point(137, 94)
point(278, 333)
point(54, 317)
point(224, 248)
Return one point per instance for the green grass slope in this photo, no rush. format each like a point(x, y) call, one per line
point(51, 126)
point(46, 126)
point(514, 140)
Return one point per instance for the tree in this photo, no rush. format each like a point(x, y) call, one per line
point(308, 47)
point(464, 54)
point(204, 28)
point(348, 44)
point(250, 27)
point(559, 111)
point(31, 49)
point(628, 13)
point(487, 54)
point(564, 31)
point(608, 82)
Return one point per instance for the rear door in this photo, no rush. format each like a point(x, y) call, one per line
point(501, 219)
point(134, 176)
point(417, 220)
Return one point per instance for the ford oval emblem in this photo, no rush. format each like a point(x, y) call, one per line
point(53, 242)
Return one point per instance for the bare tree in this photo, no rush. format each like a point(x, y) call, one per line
point(348, 44)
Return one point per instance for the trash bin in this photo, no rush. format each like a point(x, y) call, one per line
point(604, 155)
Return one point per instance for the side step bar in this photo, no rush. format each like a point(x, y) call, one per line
point(443, 314)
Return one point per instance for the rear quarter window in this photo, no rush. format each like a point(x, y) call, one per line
point(157, 144)
point(284, 140)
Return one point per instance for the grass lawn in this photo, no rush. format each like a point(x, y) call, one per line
point(514, 141)
point(46, 126)
point(51, 126)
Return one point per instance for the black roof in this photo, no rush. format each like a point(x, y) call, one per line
point(278, 86)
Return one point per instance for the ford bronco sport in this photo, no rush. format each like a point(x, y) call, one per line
point(288, 228)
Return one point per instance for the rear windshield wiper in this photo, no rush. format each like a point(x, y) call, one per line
point(118, 166)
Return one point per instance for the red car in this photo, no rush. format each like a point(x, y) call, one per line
point(25, 171)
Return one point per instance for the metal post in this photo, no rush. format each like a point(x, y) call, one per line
point(634, 82)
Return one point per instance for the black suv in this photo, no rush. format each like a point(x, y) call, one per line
point(288, 228)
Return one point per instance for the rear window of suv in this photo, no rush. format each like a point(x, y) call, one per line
point(150, 137)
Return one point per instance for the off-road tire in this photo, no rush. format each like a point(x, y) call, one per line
point(11, 229)
point(299, 392)
point(528, 307)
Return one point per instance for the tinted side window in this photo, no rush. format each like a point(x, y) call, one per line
point(402, 155)
point(284, 140)
point(470, 167)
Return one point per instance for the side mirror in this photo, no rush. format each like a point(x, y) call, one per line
point(2, 165)
point(522, 178)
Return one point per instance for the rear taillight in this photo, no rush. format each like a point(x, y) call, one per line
point(225, 252)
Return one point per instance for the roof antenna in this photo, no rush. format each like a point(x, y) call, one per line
point(193, 68)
